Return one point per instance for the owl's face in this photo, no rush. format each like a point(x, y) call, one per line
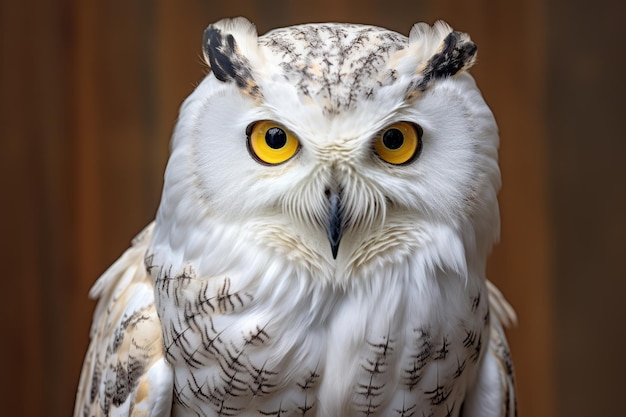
point(336, 146)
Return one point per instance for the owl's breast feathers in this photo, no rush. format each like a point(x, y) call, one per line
point(217, 349)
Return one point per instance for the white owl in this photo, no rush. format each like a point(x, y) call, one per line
point(320, 246)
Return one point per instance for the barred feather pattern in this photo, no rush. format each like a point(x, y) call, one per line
point(128, 369)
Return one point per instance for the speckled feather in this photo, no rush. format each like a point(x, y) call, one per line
point(125, 373)
point(232, 303)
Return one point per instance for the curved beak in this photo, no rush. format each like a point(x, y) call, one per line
point(334, 229)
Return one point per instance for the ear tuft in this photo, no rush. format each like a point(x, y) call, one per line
point(434, 52)
point(456, 53)
point(429, 37)
point(227, 45)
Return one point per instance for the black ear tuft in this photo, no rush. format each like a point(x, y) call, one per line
point(226, 59)
point(221, 53)
point(456, 53)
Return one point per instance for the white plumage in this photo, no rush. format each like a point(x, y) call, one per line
point(320, 246)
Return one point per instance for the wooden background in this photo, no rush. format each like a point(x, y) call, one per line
point(89, 92)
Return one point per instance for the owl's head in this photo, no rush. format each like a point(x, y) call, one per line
point(334, 147)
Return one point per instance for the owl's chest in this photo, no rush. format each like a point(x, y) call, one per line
point(240, 352)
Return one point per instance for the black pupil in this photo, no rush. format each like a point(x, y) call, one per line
point(393, 139)
point(275, 138)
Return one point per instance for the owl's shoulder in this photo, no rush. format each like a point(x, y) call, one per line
point(493, 392)
point(124, 370)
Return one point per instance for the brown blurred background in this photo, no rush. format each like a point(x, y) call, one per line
point(89, 92)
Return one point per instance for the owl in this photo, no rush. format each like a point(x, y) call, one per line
point(320, 245)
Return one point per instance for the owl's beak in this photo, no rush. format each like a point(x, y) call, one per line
point(334, 229)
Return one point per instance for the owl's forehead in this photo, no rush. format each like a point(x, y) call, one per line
point(336, 65)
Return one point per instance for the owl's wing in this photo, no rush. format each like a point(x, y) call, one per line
point(494, 392)
point(125, 373)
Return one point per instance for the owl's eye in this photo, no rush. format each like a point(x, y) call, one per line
point(399, 143)
point(270, 143)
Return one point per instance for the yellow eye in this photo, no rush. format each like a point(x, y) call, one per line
point(270, 143)
point(399, 143)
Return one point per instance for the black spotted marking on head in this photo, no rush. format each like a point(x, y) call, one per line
point(456, 53)
point(336, 65)
point(227, 62)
